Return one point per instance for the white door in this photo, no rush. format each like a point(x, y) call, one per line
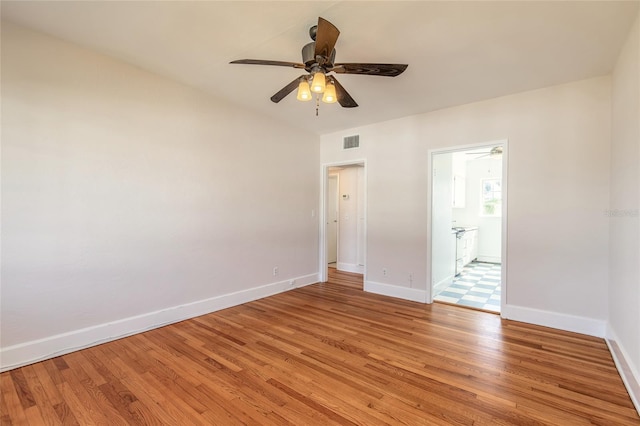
point(443, 254)
point(332, 219)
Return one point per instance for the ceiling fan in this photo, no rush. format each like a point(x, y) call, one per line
point(495, 152)
point(318, 60)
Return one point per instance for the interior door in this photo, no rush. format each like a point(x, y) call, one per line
point(443, 253)
point(332, 218)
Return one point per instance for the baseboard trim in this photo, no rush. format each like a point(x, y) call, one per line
point(628, 372)
point(576, 324)
point(443, 284)
point(350, 267)
point(489, 259)
point(38, 350)
point(405, 293)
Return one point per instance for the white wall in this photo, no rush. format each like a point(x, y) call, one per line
point(624, 272)
point(126, 194)
point(558, 148)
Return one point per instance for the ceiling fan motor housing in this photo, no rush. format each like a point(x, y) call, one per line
point(309, 55)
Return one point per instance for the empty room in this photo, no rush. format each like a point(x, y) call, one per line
point(309, 213)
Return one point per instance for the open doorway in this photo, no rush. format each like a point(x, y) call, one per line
point(343, 218)
point(468, 223)
point(333, 192)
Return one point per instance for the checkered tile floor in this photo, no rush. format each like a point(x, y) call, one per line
point(477, 286)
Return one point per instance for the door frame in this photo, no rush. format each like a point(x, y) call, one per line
point(504, 261)
point(323, 268)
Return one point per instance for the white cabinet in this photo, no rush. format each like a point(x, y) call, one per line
point(466, 248)
point(472, 246)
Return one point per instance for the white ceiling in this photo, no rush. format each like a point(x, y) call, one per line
point(458, 52)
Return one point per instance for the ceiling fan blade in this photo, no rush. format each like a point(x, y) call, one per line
point(286, 90)
point(344, 98)
point(264, 62)
point(496, 151)
point(326, 37)
point(386, 70)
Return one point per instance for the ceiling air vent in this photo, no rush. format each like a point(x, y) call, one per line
point(350, 142)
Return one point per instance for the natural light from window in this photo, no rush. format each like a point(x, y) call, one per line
point(491, 204)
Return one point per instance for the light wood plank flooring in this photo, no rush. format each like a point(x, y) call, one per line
point(328, 354)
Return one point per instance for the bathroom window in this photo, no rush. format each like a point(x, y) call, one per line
point(491, 200)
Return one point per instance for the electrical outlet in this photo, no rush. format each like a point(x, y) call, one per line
point(410, 278)
point(275, 271)
point(384, 272)
point(292, 283)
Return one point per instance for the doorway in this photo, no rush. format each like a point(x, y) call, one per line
point(333, 185)
point(468, 226)
point(343, 218)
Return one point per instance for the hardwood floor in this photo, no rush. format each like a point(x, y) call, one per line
point(328, 354)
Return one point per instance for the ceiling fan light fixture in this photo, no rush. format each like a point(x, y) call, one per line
point(329, 96)
point(318, 84)
point(318, 60)
point(304, 93)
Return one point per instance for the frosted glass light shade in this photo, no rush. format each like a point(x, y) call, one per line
point(318, 83)
point(329, 96)
point(304, 93)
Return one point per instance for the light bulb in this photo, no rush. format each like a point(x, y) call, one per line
point(304, 94)
point(318, 83)
point(329, 96)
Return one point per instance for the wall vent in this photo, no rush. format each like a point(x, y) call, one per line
point(350, 142)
